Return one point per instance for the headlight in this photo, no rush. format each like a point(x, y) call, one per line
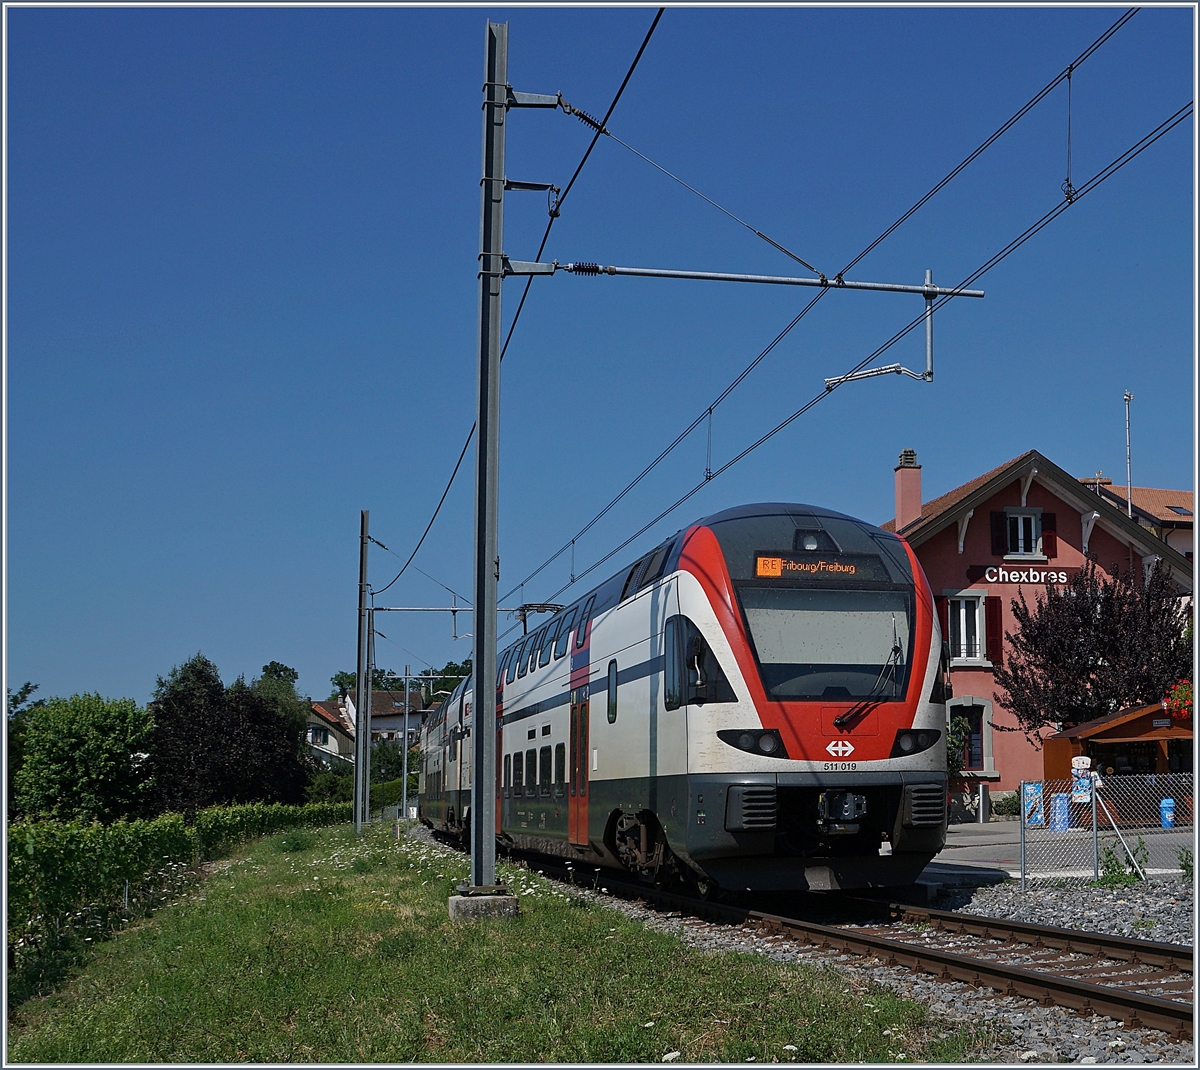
point(766, 742)
point(913, 741)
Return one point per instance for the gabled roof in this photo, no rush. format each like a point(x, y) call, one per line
point(386, 703)
point(932, 511)
point(332, 715)
point(940, 513)
point(1112, 720)
point(1153, 502)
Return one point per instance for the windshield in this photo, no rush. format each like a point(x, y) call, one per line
point(827, 643)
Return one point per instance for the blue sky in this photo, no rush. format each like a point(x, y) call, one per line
point(242, 298)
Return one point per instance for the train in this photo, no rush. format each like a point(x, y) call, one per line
point(757, 704)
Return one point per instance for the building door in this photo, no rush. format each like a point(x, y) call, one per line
point(577, 803)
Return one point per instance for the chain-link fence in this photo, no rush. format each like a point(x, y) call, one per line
point(1091, 826)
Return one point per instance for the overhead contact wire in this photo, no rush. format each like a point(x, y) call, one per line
point(601, 128)
point(1101, 176)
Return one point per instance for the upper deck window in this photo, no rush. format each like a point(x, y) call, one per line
point(564, 634)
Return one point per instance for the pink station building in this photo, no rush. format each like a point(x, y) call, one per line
point(1023, 526)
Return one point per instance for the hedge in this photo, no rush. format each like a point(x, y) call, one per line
point(56, 870)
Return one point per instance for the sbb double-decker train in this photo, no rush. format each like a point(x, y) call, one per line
point(756, 704)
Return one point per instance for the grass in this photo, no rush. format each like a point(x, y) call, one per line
point(321, 948)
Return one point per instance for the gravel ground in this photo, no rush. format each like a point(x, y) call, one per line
point(1027, 1033)
point(1151, 910)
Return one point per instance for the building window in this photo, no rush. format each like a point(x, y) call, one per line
point(972, 628)
point(972, 757)
point(977, 755)
point(319, 736)
point(966, 629)
point(1024, 533)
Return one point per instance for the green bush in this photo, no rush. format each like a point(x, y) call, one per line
point(58, 871)
point(1007, 805)
point(84, 760)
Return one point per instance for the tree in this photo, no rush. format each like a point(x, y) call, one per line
point(85, 759)
point(276, 670)
point(1093, 646)
point(18, 708)
point(345, 683)
point(387, 759)
point(216, 745)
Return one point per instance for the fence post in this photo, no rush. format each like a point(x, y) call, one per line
point(1095, 832)
point(1021, 798)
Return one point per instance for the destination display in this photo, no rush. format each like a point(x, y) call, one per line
point(776, 565)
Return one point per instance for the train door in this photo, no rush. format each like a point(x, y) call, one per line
point(577, 799)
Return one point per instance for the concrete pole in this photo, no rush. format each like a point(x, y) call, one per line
point(366, 717)
point(487, 561)
point(404, 787)
point(1128, 469)
point(361, 674)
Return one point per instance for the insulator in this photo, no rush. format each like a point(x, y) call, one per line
point(585, 269)
point(583, 117)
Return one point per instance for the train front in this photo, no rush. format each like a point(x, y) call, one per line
point(817, 758)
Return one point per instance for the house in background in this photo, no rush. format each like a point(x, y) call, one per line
point(1019, 528)
point(1167, 513)
point(387, 714)
point(330, 732)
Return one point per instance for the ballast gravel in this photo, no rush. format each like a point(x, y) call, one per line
point(1027, 1033)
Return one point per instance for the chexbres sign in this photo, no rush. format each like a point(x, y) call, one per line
point(1029, 574)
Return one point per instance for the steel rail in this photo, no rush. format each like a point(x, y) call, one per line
point(1123, 948)
point(1135, 1009)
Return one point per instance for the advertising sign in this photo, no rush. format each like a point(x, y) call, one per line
point(1035, 810)
point(1081, 785)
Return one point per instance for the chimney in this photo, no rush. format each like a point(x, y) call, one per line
point(908, 489)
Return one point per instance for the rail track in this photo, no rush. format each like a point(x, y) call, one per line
point(1141, 983)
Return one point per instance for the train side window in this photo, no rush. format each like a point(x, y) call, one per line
point(564, 634)
point(655, 565)
point(503, 665)
point(507, 775)
point(522, 659)
point(548, 643)
point(581, 632)
point(672, 665)
point(634, 580)
point(512, 665)
point(518, 768)
point(532, 649)
point(612, 692)
point(531, 772)
point(560, 769)
point(544, 764)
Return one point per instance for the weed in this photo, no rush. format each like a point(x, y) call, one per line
point(294, 841)
point(1143, 924)
point(1187, 863)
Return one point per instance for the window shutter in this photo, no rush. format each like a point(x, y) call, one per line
point(999, 535)
point(942, 605)
point(993, 614)
point(1049, 535)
